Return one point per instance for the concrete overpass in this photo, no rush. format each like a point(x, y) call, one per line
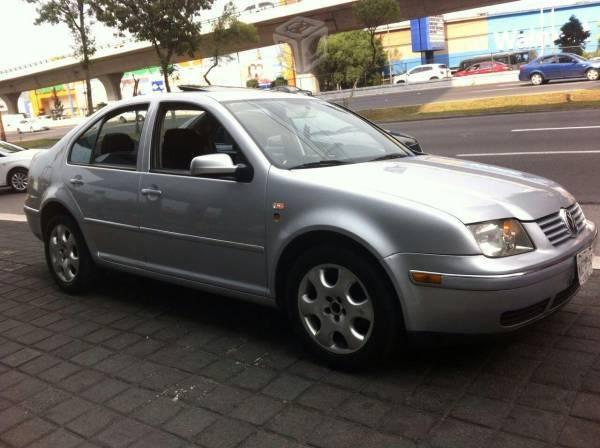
point(108, 66)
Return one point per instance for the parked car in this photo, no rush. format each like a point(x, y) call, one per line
point(258, 6)
point(423, 73)
point(483, 68)
point(14, 166)
point(559, 66)
point(291, 89)
point(31, 125)
point(290, 200)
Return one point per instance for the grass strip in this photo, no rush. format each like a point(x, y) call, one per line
point(578, 99)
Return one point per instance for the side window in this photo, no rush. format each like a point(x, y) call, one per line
point(186, 132)
point(564, 60)
point(113, 141)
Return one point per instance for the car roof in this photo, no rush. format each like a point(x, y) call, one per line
point(216, 93)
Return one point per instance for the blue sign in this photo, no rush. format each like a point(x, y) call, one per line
point(158, 86)
point(427, 34)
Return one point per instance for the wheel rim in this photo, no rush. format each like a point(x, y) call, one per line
point(19, 181)
point(64, 253)
point(335, 309)
point(592, 75)
point(536, 79)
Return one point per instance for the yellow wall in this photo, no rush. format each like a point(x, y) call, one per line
point(468, 35)
point(398, 45)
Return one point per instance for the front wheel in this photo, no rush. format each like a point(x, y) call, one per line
point(342, 306)
point(592, 74)
point(18, 180)
point(67, 255)
point(537, 79)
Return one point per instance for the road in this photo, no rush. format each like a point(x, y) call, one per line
point(430, 95)
point(559, 153)
point(54, 133)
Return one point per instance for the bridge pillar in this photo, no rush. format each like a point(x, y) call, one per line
point(302, 34)
point(112, 85)
point(12, 102)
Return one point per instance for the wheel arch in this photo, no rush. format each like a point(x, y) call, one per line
point(311, 238)
point(50, 210)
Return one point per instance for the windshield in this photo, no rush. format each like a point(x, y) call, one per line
point(7, 148)
point(297, 133)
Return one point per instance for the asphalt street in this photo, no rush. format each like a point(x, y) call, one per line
point(563, 146)
point(443, 93)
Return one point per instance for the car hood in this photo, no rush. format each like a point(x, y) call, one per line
point(472, 192)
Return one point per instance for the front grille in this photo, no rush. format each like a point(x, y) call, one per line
point(515, 317)
point(556, 230)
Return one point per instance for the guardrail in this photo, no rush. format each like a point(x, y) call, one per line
point(466, 81)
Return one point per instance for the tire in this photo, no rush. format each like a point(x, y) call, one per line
point(592, 74)
point(18, 180)
point(434, 78)
point(344, 342)
point(537, 79)
point(77, 273)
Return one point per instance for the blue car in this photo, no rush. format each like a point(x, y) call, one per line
point(559, 66)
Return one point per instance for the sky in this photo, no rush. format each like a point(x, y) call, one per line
point(22, 42)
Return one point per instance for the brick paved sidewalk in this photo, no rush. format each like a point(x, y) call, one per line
point(145, 364)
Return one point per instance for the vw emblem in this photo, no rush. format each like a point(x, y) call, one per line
point(567, 219)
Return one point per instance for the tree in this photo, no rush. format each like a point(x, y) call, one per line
point(171, 26)
point(345, 60)
point(227, 32)
point(252, 84)
point(2, 133)
point(372, 14)
point(77, 15)
point(572, 36)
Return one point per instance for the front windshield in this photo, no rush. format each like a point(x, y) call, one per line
point(7, 148)
point(298, 133)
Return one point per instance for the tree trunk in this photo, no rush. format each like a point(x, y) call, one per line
point(165, 70)
point(2, 133)
point(215, 63)
point(86, 58)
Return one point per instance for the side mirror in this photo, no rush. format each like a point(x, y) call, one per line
point(219, 165)
point(408, 141)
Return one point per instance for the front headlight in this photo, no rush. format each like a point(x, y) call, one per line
point(501, 238)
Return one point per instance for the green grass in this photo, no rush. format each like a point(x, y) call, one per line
point(584, 99)
point(39, 143)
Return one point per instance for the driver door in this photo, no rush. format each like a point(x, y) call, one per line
point(209, 230)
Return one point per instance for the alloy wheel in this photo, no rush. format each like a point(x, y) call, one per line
point(64, 253)
point(537, 79)
point(18, 180)
point(335, 309)
point(593, 75)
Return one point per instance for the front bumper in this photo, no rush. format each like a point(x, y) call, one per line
point(480, 295)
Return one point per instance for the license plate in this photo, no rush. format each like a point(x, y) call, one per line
point(584, 265)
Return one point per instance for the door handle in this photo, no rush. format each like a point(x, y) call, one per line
point(151, 192)
point(76, 181)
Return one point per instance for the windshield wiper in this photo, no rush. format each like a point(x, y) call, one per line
point(319, 164)
point(388, 157)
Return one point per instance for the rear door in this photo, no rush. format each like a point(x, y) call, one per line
point(102, 174)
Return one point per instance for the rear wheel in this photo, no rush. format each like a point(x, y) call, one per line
point(342, 306)
point(67, 255)
point(434, 78)
point(537, 79)
point(18, 180)
point(592, 74)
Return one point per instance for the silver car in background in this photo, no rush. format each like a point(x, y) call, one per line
point(293, 201)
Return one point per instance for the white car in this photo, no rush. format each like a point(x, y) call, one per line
point(31, 125)
point(423, 73)
point(14, 166)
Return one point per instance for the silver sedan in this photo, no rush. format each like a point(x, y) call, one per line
point(292, 201)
